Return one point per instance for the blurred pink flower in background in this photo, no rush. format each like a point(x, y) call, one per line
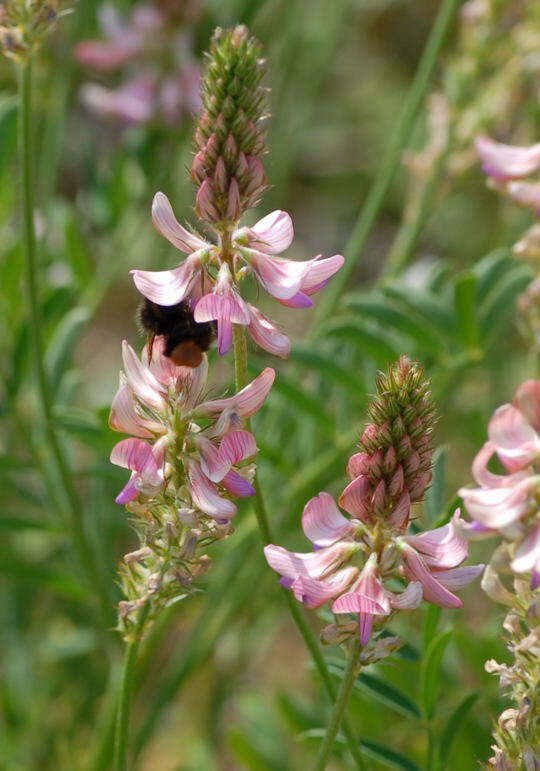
point(150, 51)
point(161, 406)
point(253, 252)
point(508, 166)
point(507, 503)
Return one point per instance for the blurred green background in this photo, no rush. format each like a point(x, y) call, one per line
point(224, 681)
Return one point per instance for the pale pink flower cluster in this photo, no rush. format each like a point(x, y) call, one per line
point(508, 503)
point(178, 437)
point(208, 278)
point(354, 558)
point(159, 76)
point(509, 167)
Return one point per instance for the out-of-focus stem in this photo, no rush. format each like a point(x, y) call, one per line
point(241, 368)
point(390, 161)
point(82, 545)
point(126, 688)
point(349, 678)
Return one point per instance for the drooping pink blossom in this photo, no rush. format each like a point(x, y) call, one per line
point(253, 252)
point(155, 401)
point(507, 162)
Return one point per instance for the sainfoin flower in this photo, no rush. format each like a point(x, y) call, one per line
point(507, 503)
point(153, 87)
point(251, 251)
point(510, 167)
point(358, 563)
point(189, 458)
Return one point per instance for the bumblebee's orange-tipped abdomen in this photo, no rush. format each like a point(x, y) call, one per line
point(187, 354)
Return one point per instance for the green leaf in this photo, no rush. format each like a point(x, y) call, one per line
point(429, 677)
point(432, 614)
point(490, 269)
point(465, 306)
point(452, 726)
point(388, 694)
point(426, 307)
point(375, 343)
point(60, 349)
point(386, 756)
point(435, 495)
point(326, 365)
point(501, 300)
point(303, 401)
point(78, 254)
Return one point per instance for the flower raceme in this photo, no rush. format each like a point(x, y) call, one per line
point(359, 562)
point(508, 503)
point(209, 277)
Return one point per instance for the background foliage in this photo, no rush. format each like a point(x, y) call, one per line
point(224, 682)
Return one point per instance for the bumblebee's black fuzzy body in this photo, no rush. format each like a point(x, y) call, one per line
point(185, 339)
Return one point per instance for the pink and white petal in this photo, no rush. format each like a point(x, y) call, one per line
point(457, 578)
point(130, 491)
point(322, 521)
point(442, 547)
point(212, 463)
point(235, 483)
point(273, 233)
point(141, 381)
point(281, 278)
point(247, 401)
point(267, 335)
point(300, 300)
point(435, 592)
point(161, 366)
point(486, 478)
point(474, 531)
point(355, 498)
point(195, 384)
point(497, 508)
point(515, 440)
point(320, 271)
point(205, 495)
point(527, 400)
point(507, 161)
point(237, 446)
point(355, 602)
point(166, 223)
point(311, 564)
point(527, 555)
point(401, 511)
point(227, 307)
point(167, 287)
point(315, 593)
point(409, 599)
point(125, 419)
point(358, 464)
point(136, 455)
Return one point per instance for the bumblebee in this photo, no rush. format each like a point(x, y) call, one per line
point(185, 339)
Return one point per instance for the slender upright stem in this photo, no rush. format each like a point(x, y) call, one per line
point(82, 546)
point(240, 367)
point(126, 688)
point(349, 678)
point(390, 161)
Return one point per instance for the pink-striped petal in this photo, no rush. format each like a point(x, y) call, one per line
point(135, 455)
point(527, 556)
point(320, 271)
point(237, 446)
point(315, 565)
point(442, 547)
point(205, 495)
point(355, 498)
point(487, 478)
point(507, 161)
point(315, 593)
point(167, 287)
point(166, 223)
point(409, 599)
point(527, 400)
point(415, 568)
point(212, 463)
point(496, 508)
point(195, 385)
point(273, 233)
point(281, 278)
point(237, 485)
point(125, 418)
point(247, 401)
point(358, 464)
point(322, 521)
point(516, 442)
point(141, 381)
point(457, 578)
point(267, 335)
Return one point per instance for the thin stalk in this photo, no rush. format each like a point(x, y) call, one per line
point(126, 689)
point(241, 369)
point(349, 678)
point(82, 545)
point(390, 162)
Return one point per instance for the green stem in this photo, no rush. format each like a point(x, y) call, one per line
point(126, 688)
point(349, 678)
point(389, 164)
point(82, 545)
point(240, 368)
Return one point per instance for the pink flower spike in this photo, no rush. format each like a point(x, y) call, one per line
point(166, 223)
point(507, 161)
point(315, 565)
point(496, 508)
point(141, 381)
point(237, 485)
point(458, 578)
point(355, 498)
point(267, 335)
point(272, 234)
point(442, 547)
point(315, 593)
point(528, 553)
point(168, 287)
point(247, 401)
point(322, 522)
point(415, 568)
point(409, 599)
point(205, 495)
point(527, 400)
point(516, 442)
